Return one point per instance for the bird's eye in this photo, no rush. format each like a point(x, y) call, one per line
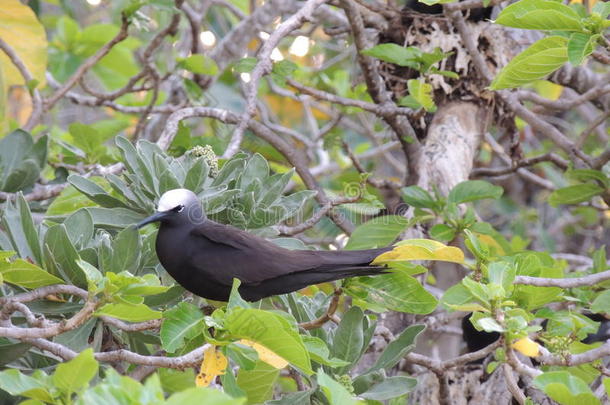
point(179, 208)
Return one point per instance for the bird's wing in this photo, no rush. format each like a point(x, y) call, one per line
point(227, 252)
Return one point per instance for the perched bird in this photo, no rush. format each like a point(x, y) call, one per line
point(204, 256)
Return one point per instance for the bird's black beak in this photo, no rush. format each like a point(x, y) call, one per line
point(153, 218)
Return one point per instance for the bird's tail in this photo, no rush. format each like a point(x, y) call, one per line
point(356, 258)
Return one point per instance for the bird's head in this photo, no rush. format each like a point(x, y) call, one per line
point(177, 206)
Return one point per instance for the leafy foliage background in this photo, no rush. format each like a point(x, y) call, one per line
point(306, 123)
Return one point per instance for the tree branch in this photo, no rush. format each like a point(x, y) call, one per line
point(37, 105)
point(263, 67)
point(88, 64)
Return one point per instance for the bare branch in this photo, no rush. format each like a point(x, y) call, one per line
point(53, 329)
point(518, 366)
point(583, 281)
point(547, 157)
point(512, 384)
point(88, 64)
point(264, 66)
point(567, 104)
point(383, 110)
point(601, 118)
point(510, 98)
point(376, 88)
point(526, 174)
point(132, 327)
point(37, 106)
point(190, 359)
point(330, 311)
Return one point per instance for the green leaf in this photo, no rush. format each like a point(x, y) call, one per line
point(128, 312)
point(602, 8)
point(540, 15)
point(61, 256)
point(201, 395)
point(585, 175)
point(389, 388)
point(282, 70)
point(377, 232)
point(456, 295)
point(398, 348)
point(334, 392)
point(126, 247)
point(348, 339)
point(394, 53)
point(320, 353)
point(80, 228)
point(422, 93)
point(502, 273)
point(270, 330)
point(490, 325)
point(17, 221)
point(113, 218)
point(536, 62)
point(396, 291)
point(258, 382)
point(10, 352)
point(200, 64)
point(19, 163)
point(565, 388)
point(601, 303)
point(293, 398)
point(16, 383)
point(442, 232)
point(472, 190)
point(256, 168)
point(68, 201)
point(574, 194)
point(74, 375)
point(245, 65)
point(27, 275)
point(77, 339)
point(417, 197)
point(179, 323)
point(95, 193)
point(580, 46)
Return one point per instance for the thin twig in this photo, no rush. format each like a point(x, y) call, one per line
point(88, 64)
point(330, 311)
point(601, 118)
point(191, 359)
point(499, 171)
point(37, 105)
point(264, 66)
point(383, 110)
point(567, 104)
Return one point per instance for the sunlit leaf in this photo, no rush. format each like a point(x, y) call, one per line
point(214, 364)
point(421, 249)
point(526, 346)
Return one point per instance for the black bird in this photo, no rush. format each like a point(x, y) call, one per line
point(204, 256)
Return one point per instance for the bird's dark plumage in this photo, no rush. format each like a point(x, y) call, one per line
point(204, 256)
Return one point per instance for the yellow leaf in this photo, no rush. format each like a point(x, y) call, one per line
point(214, 364)
point(527, 347)
point(421, 249)
point(265, 354)
point(20, 28)
point(471, 307)
point(548, 89)
point(491, 242)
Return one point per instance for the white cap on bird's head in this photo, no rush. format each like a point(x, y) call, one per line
point(177, 206)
